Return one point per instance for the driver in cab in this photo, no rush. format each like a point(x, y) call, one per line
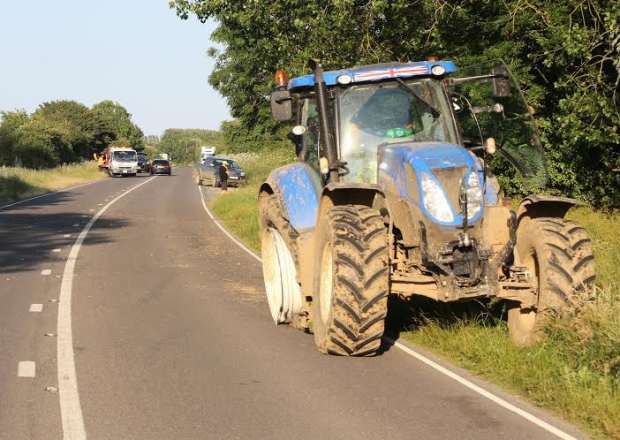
point(384, 116)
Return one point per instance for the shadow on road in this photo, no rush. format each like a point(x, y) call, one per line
point(26, 240)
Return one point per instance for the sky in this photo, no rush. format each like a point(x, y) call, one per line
point(137, 53)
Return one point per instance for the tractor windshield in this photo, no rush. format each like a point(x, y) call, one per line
point(394, 112)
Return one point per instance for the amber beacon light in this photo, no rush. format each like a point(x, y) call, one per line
point(281, 79)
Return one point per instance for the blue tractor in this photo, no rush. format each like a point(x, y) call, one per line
point(394, 194)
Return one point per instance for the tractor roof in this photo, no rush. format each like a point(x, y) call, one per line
point(373, 72)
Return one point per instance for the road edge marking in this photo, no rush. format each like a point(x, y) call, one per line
point(228, 234)
point(70, 407)
point(496, 399)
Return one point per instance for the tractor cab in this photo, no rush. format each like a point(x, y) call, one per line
point(423, 103)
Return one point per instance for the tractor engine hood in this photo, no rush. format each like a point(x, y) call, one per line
point(440, 178)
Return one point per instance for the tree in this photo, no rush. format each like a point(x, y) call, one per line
point(43, 144)
point(9, 135)
point(566, 55)
point(77, 121)
point(184, 144)
point(115, 121)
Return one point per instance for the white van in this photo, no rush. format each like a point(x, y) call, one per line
point(123, 161)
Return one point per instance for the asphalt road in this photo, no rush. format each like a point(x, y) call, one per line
point(152, 324)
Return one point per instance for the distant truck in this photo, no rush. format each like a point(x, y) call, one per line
point(122, 161)
point(206, 152)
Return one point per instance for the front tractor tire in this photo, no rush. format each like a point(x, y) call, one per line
point(351, 281)
point(279, 252)
point(558, 255)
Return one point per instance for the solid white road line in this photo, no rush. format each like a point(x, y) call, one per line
point(241, 245)
point(26, 369)
point(70, 408)
point(501, 402)
point(530, 417)
point(36, 307)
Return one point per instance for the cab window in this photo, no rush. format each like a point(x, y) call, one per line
point(310, 140)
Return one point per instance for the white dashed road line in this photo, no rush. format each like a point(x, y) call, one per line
point(70, 408)
point(36, 307)
point(46, 272)
point(26, 369)
point(55, 250)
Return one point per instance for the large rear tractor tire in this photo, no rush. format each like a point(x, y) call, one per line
point(351, 281)
point(558, 255)
point(279, 255)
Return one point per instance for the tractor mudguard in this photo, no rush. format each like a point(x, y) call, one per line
point(297, 186)
point(534, 206)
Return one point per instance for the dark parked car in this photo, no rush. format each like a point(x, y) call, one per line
point(207, 170)
point(161, 166)
point(143, 163)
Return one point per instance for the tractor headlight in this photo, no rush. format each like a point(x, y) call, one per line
point(474, 194)
point(435, 200)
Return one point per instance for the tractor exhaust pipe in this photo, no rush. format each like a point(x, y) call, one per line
point(325, 124)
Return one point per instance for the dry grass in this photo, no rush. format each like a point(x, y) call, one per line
point(22, 183)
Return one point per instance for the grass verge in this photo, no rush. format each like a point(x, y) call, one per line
point(574, 373)
point(238, 209)
point(22, 183)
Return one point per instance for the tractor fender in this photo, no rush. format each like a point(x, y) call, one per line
point(297, 186)
point(534, 206)
point(396, 211)
point(338, 193)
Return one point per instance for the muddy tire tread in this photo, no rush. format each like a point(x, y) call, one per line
point(359, 306)
point(567, 274)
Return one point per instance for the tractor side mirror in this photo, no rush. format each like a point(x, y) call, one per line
point(281, 105)
point(501, 86)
